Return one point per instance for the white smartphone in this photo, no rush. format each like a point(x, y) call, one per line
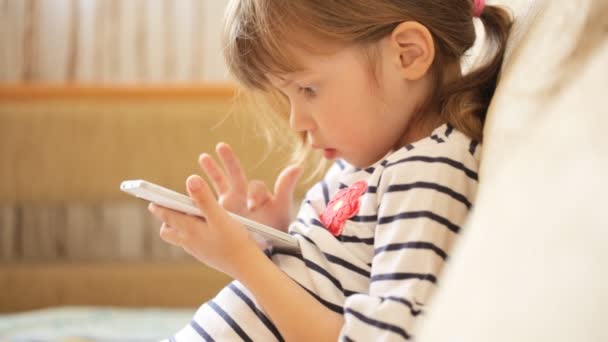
point(265, 235)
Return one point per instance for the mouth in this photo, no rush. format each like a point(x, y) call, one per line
point(329, 153)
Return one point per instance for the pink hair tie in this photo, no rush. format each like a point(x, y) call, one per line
point(478, 7)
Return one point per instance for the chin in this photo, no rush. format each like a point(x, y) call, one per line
point(358, 163)
point(364, 163)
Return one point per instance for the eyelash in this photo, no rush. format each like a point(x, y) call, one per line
point(308, 92)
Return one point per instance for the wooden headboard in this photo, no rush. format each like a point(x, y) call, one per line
point(64, 224)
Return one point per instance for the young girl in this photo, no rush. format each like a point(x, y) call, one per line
point(376, 85)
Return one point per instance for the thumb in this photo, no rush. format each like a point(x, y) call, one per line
point(286, 184)
point(203, 197)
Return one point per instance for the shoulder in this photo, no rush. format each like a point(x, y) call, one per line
point(446, 150)
point(446, 162)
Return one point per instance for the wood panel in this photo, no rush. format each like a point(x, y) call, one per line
point(27, 286)
point(18, 92)
point(59, 232)
point(8, 231)
point(42, 232)
point(88, 146)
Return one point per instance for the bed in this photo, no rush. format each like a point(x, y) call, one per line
point(85, 323)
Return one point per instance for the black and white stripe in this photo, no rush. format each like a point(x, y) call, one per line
point(381, 270)
point(262, 317)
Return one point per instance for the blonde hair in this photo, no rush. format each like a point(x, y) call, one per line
point(258, 35)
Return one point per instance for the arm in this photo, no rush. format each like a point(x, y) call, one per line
point(224, 244)
point(289, 306)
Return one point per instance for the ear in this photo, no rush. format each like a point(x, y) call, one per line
point(413, 48)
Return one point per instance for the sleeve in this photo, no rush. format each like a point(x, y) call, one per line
point(422, 203)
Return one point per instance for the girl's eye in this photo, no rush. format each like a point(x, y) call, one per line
point(308, 91)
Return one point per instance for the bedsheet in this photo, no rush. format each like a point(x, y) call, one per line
point(88, 324)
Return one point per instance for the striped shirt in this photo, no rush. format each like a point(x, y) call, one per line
point(384, 266)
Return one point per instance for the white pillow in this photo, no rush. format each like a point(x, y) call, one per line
point(532, 264)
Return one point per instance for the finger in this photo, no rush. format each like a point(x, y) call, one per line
point(215, 173)
point(204, 199)
point(183, 223)
point(232, 165)
point(161, 213)
point(257, 194)
point(170, 235)
point(286, 184)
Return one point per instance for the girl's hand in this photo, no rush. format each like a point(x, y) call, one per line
point(219, 241)
point(251, 199)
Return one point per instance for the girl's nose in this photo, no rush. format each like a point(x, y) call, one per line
point(300, 121)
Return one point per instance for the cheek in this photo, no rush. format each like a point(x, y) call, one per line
point(329, 111)
point(349, 109)
point(351, 102)
point(340, 116)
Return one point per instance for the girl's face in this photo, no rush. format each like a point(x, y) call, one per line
point(344, 110)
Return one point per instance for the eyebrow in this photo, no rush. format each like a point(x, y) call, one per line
point(285, 81)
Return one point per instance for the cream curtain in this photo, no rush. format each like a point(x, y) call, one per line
point(111, 41)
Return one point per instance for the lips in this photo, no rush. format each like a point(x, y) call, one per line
point(329, 153)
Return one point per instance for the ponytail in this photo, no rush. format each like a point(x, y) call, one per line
point(465, 101)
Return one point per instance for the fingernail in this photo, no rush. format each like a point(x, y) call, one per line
point(195, 183)
point(249, 204)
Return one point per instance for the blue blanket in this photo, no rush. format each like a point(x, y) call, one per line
point(87, 324)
